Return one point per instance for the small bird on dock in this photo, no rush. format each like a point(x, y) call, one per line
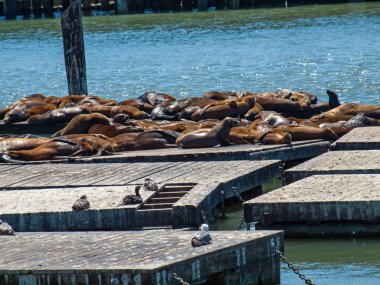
point(149, 185)
point(81, 204)
point(132, 199)
point(202, 237)
point(6, 229)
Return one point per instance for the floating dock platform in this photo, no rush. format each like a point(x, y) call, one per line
point(321, 205)
point(40, 197)
point(365, 138)
point(139, 258)
point(337, 162)
point(296, 151)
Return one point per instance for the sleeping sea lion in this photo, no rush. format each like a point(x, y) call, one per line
point(56, 116)
point(132, 112)
point(214, 137)
point(80, 124)
point(154, 98)
point(8, 144)
point(20, 112)
point(301, 133)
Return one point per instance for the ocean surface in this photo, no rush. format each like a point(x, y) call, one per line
point(305, 48)
point(310, 48)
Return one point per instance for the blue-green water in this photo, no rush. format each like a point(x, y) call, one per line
point(310, 48)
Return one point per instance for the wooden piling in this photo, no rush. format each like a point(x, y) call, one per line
point(37, 9)
point(155, 5)
point(105, 5)
point(176, 6)
point(65, 4)
point(166, 5)
point(235, 4)
point(202, 5)
point(121, 6)
point(48, 8)
point(26, 9)
point(10, 9)
point(187, 5)
point(87, 7)
point(140, 5)
point(73, 43)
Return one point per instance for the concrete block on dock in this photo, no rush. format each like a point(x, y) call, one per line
point(337, 162)
point(143, 257)
point(321, 205)
point(366, 138)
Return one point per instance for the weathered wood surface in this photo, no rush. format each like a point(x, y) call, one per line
point(321, 205)
point(39, 197)
point(25, 128)
point(73, 45)
point(367, 138)
point(148, 257)
point(337, 162)
point(296, 151)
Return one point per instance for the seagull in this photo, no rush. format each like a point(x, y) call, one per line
point(132, 199)
point(202, 237)
point(149, 185)
point(6, 229)
point(81, 204)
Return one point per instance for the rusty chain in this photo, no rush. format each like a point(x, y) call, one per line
point(291, 266)
point(242, 219)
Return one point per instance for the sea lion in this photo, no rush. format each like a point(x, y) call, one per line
point(242, 135)
point(214, 137)
point(275, 137)
point(81, 204)
point(360, 120)
point(277, 104)
point(98, 145)
point(375, 113)
point(80, 124)
point(132, 112)
point(139, 104)
point(56, 116)
point(346, 109)
point(216, 95)
point(32, 97)
point(154, 98)
point(53, 149)
point(18, 143)
point(20, 112)
point(113, 130)
point(232, 108)
point(301, 133)
point(253, 112)
point(273, 118)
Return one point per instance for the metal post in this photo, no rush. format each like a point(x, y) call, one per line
point(73, 45)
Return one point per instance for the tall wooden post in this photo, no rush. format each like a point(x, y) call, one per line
point(202, 5)
point(187, 5)
point(73, 45)
point(26, 8)
point(86, 7)
point(37, 9)
point(105, 5)
point(10, 9)
point(48, 8)
point(121, 6)
point(65, 4)
point(235, 4)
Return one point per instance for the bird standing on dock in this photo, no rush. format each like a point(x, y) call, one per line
point(81, 204)
point(6, 229)
point(202, 237)
point(132, 199)
point(149, 185)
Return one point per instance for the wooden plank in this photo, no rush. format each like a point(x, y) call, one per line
point(73, 43)
point(321, 205)
point(337, 162)
point(144, 255)
point(367, 138)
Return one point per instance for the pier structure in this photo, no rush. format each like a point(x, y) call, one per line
point(334, 194)
point(139, 258)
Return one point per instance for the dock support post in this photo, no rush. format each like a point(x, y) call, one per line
point(235, 4)
point(187, 5)
point(105, 5)
point(121, 6)
point(10, 9)
point(73, 45)
point(86, 7)
point(202, 5)
point(48, 8)
point(140, 5)
point(65, 4)
point(166, 5)
point(37, 9)
point(26, 9)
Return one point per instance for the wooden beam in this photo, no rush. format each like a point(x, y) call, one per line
point(73, 44)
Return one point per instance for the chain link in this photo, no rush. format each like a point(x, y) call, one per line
point(179, 279)
point(291, 266)
point(242, 219)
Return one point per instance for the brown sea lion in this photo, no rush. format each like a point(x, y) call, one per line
point(216, 95)
point(80, 124)
point(99, 146)
point(215, 137)
point(20, 112)
point(278, 104)
point(360, 120)
point(375, 113)
point(301, 133)
point(139, 104)
point(273, 118)
point(56, 116)
point(113, 130)
point(155, 98)
point(253, 112)
point(275, 137)
point(7, 144)
point(53, 149)
point(132, 112)
point(33, 97)
point(232, 108)
point(242, 135)
point(347, 109)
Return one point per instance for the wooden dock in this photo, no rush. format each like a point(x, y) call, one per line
point(321, 205)
point(147, 257)
point(337, 162)
point(366, 138)
point(296, 151)
point(39, 197)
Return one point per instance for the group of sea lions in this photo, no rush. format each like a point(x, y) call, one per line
point(96, 126)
